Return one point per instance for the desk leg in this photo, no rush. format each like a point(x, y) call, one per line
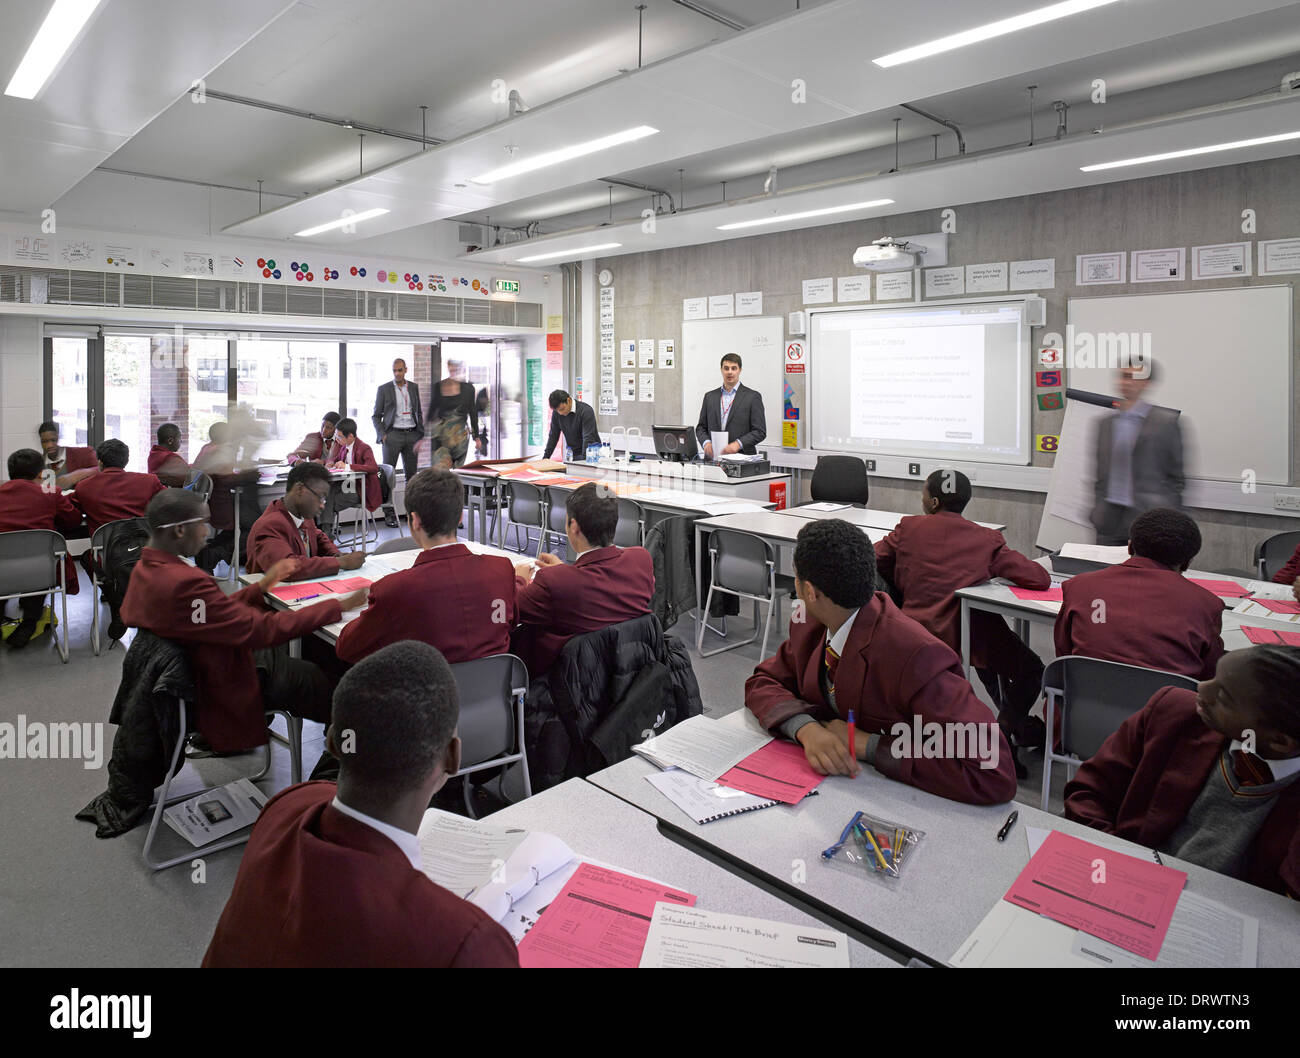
point(699, 582)
point(965, 637)
point(500, 515)
point(484, 537)
point(1022, 630)
point(234, 547)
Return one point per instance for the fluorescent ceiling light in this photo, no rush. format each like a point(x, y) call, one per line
point(564, 154)
point(342, 222)
point(806, 213)
point(56, 36)
point(1191, 151)
point(571, 253)
point(993, 29)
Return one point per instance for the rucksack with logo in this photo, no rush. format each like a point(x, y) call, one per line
point(124, 542)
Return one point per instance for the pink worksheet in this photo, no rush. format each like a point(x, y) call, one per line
point(1229, 589)
point(1269, 635)
point(293, 592)
point(1052, 594)
point(778, 771)
point(1277, 605)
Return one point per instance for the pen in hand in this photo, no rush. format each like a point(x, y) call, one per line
point(1006, 827)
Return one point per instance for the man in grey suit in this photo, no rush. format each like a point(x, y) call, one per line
point(733, 408)
point(399, 426)
point(1139, 459)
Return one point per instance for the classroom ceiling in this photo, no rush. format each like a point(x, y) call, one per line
point(720, 96)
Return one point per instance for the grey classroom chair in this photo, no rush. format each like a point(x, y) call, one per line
point(743, 565)
point(201, 485)
point(31, 563)
point(96, 564)
point(1095, 697)
point(630, 531)
point(557, 519)
point(1273, 553)
point(526, 510)
point(491, 727)
point(398, 543)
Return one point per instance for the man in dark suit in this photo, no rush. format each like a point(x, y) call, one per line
point(604, 586)
point(1139, 459)
point(287, 529)
point(115, 492)
point(733, 408)
point(1144, 611)
point(452, 599)
point(576, 420)
point(331, 875)
point(853, 651)
point(399, 425)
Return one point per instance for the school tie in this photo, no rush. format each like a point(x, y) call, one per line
point(832, 662)
point(306, 540)
point(1251, 770)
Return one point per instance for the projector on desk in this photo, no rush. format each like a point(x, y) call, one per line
point(744, 466)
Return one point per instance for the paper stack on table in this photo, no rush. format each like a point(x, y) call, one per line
point(688, 937)
point(706, 748)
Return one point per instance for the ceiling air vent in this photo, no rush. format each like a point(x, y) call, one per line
point(475, 312)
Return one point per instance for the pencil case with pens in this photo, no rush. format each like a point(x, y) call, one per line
point(879, 846)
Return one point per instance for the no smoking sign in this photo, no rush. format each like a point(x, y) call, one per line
point(794, 358)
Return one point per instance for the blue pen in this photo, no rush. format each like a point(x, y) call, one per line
point(845, 834)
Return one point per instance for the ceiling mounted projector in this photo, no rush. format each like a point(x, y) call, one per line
point(887, 255)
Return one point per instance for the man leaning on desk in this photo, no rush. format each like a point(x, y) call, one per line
point(577, 420)
point(734, 408)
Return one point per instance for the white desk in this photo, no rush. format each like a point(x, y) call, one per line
point(958, 872)
point(866, 516)
point(599, 826)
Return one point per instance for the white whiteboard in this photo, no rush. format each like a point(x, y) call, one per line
point(760, 343)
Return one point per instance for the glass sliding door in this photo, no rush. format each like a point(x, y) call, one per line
point(370, 365)
point(286, 387)
point(70, 405)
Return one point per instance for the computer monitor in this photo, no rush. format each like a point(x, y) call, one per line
point(675, 443)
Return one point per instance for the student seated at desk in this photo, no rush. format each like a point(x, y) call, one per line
point(331, 874)
point(316, 446)
point(1144, 611)
point(1209, 776)
point(164, 458)
point(604, 586)
point(228, 638)
point(452, 599)
point(930, 557)
point(286, 529)
point(69, 465)
point(214, 452)
point(853, 650)
point(1290, 573)
point(349, 452)
point(25, 504)
point(115, 492)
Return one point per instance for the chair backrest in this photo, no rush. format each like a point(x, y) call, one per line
point(628, 531)
point(1101, 695)
point(29, 561)
point(400, 543)
point(200, 484)
point(1274, 552)
point(741, 562)
point(557, 505)
point(840, 479)
point(525, 503)
point(487, 689)
point(390, 474)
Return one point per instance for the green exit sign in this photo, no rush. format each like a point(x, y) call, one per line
point(505, 286)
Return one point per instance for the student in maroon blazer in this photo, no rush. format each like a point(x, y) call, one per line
point(348, 451)
point(226, 636)
point(604, 586)
point(1290, 573)
point(286, 529)
point(69, 465)
point(1179, 776)
point(928, 558)
point(1144, 611)
point(25, 504)
point(114, 492)
point(452, 599)
point(852, 649)
point(331, 875)
point(315, 446)
point(164, 457)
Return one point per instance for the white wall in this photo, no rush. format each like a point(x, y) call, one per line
point(21, 385)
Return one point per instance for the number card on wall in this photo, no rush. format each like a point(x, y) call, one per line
point(1051, 401)
point(1046, 442)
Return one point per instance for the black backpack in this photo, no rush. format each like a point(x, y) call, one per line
point(124, 542)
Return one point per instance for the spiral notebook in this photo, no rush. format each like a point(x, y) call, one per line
point(702, 800)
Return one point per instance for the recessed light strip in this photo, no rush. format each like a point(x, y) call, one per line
point(989, 31)
point(1191, 152)
point(564, 154)
point(56, 36)
point(342, 222)
point(576, 252)
point(806, 213)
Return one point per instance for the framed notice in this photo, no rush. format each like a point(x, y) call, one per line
point(1279, 257)
point(1099, 269)
point(1159, 266)
point(986, 278)
point(750, 303)
point(721, 305)
point(944, 282)
point(695, 308)
point(894, 286)
point(1033, 275)
point(853, 288)
point(1224, 260)
point(819, 291)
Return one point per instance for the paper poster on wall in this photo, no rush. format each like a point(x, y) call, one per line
point(33, 249)
point(795, 358)
point(556, 322)
point(853, 288)
point(894, 286)
point(627, 350)
point(554, 360)
point(819, 291)
point(162, 260)
point(695, 308)
point(233, 266)
point(122, 256)
point(789, 434)
point(647, 389)
point(533, 395)
point(554, 341)
point(944, 282)
point(1158, 266)
point(1225, 259)
point(986, 278)
point(646, 348)
point(1033, 275)
point(721, 306)
point(749, 304)
point(628, 389)
point(1279, 257)
point(1097, 269)
point(667, 353)
point(608, 404)
point(78, 253)
point(1048, 379)
point(198, 263)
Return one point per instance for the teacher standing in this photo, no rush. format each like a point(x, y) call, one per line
point(453, 418)
point(399, 426)
point(734, 408)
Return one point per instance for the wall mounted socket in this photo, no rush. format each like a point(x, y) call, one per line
point(1283, 501)
point(914, 469)
point(871, 466)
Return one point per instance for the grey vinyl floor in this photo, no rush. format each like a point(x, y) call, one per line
point(70, 899)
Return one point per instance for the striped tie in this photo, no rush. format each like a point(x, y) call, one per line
point(1251, 770)
point(306, 540)
point(831, 661)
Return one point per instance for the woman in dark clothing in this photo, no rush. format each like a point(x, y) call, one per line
point(452, 418)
